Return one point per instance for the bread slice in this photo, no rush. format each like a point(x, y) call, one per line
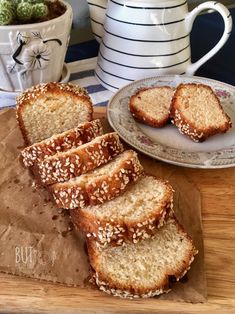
point(143, 269)
point(51, 108)
point(197, 112)
point(152, 105)
point(99, 185)
point(62, 142)
point(132, 216)
point(63, 166)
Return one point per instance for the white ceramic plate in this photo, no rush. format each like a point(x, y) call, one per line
point(166, 143)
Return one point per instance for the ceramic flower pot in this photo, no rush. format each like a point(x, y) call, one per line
point(33, 53)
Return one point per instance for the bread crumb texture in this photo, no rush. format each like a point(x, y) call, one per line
point(143, 269)
point(152, 105)
point(133, 216)
point(51, 108)
point(139, 200)
point(197, 112)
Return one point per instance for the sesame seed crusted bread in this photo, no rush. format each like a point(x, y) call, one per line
point(143, 269)
point(152, 105)
point(51, 108)
point(134, 215)
point(64, 166)
point(197, 112)
point(99, 185)
point(62, 142)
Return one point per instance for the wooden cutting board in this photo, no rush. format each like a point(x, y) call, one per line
point(217, 188)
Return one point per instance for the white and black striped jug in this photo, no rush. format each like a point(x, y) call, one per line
point(147, 38)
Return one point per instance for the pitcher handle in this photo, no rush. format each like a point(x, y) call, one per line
point(192, 68)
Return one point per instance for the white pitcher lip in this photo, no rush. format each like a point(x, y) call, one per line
point(35, 25)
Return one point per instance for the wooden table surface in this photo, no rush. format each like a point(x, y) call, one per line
point(217, 187)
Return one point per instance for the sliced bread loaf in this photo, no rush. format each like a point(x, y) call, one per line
point(51, 108)
point(143, 269)
point(62, 142)
point(132, 216)
point(152, 105)
point(63, 166)
point(197, 112)
point(99, 185)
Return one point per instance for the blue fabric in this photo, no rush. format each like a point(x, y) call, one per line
point(81, 51)
point(206, 32)
point(80, 75)
point(95, 89)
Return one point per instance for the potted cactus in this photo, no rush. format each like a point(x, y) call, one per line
point(33, 41)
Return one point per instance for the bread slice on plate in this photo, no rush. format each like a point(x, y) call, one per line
point(134, 215)
point(152, 105)
point(143, 269)
point(197, 112)
point(99, 185)
point(62, 142)
point(63, 166)
point(51, 108)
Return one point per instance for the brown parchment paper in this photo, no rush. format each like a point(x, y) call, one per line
point(38, 241)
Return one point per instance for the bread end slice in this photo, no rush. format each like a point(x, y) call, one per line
point(51, 108)
point(152, 105)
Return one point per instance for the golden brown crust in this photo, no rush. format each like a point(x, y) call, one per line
point(111, 286)
point(62, 142)
point(98, 189)
point(118, 231)
point(65, 166)
point(39, 91)
point(129, 292)
point(143, 116)
point(189, 128)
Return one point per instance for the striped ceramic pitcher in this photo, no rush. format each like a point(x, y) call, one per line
point(147, 38)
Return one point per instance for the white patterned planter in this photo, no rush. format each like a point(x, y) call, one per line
point(33, 53)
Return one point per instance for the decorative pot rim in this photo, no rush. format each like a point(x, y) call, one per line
point(44, 23)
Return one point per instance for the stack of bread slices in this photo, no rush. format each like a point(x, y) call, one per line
point(135, 243)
